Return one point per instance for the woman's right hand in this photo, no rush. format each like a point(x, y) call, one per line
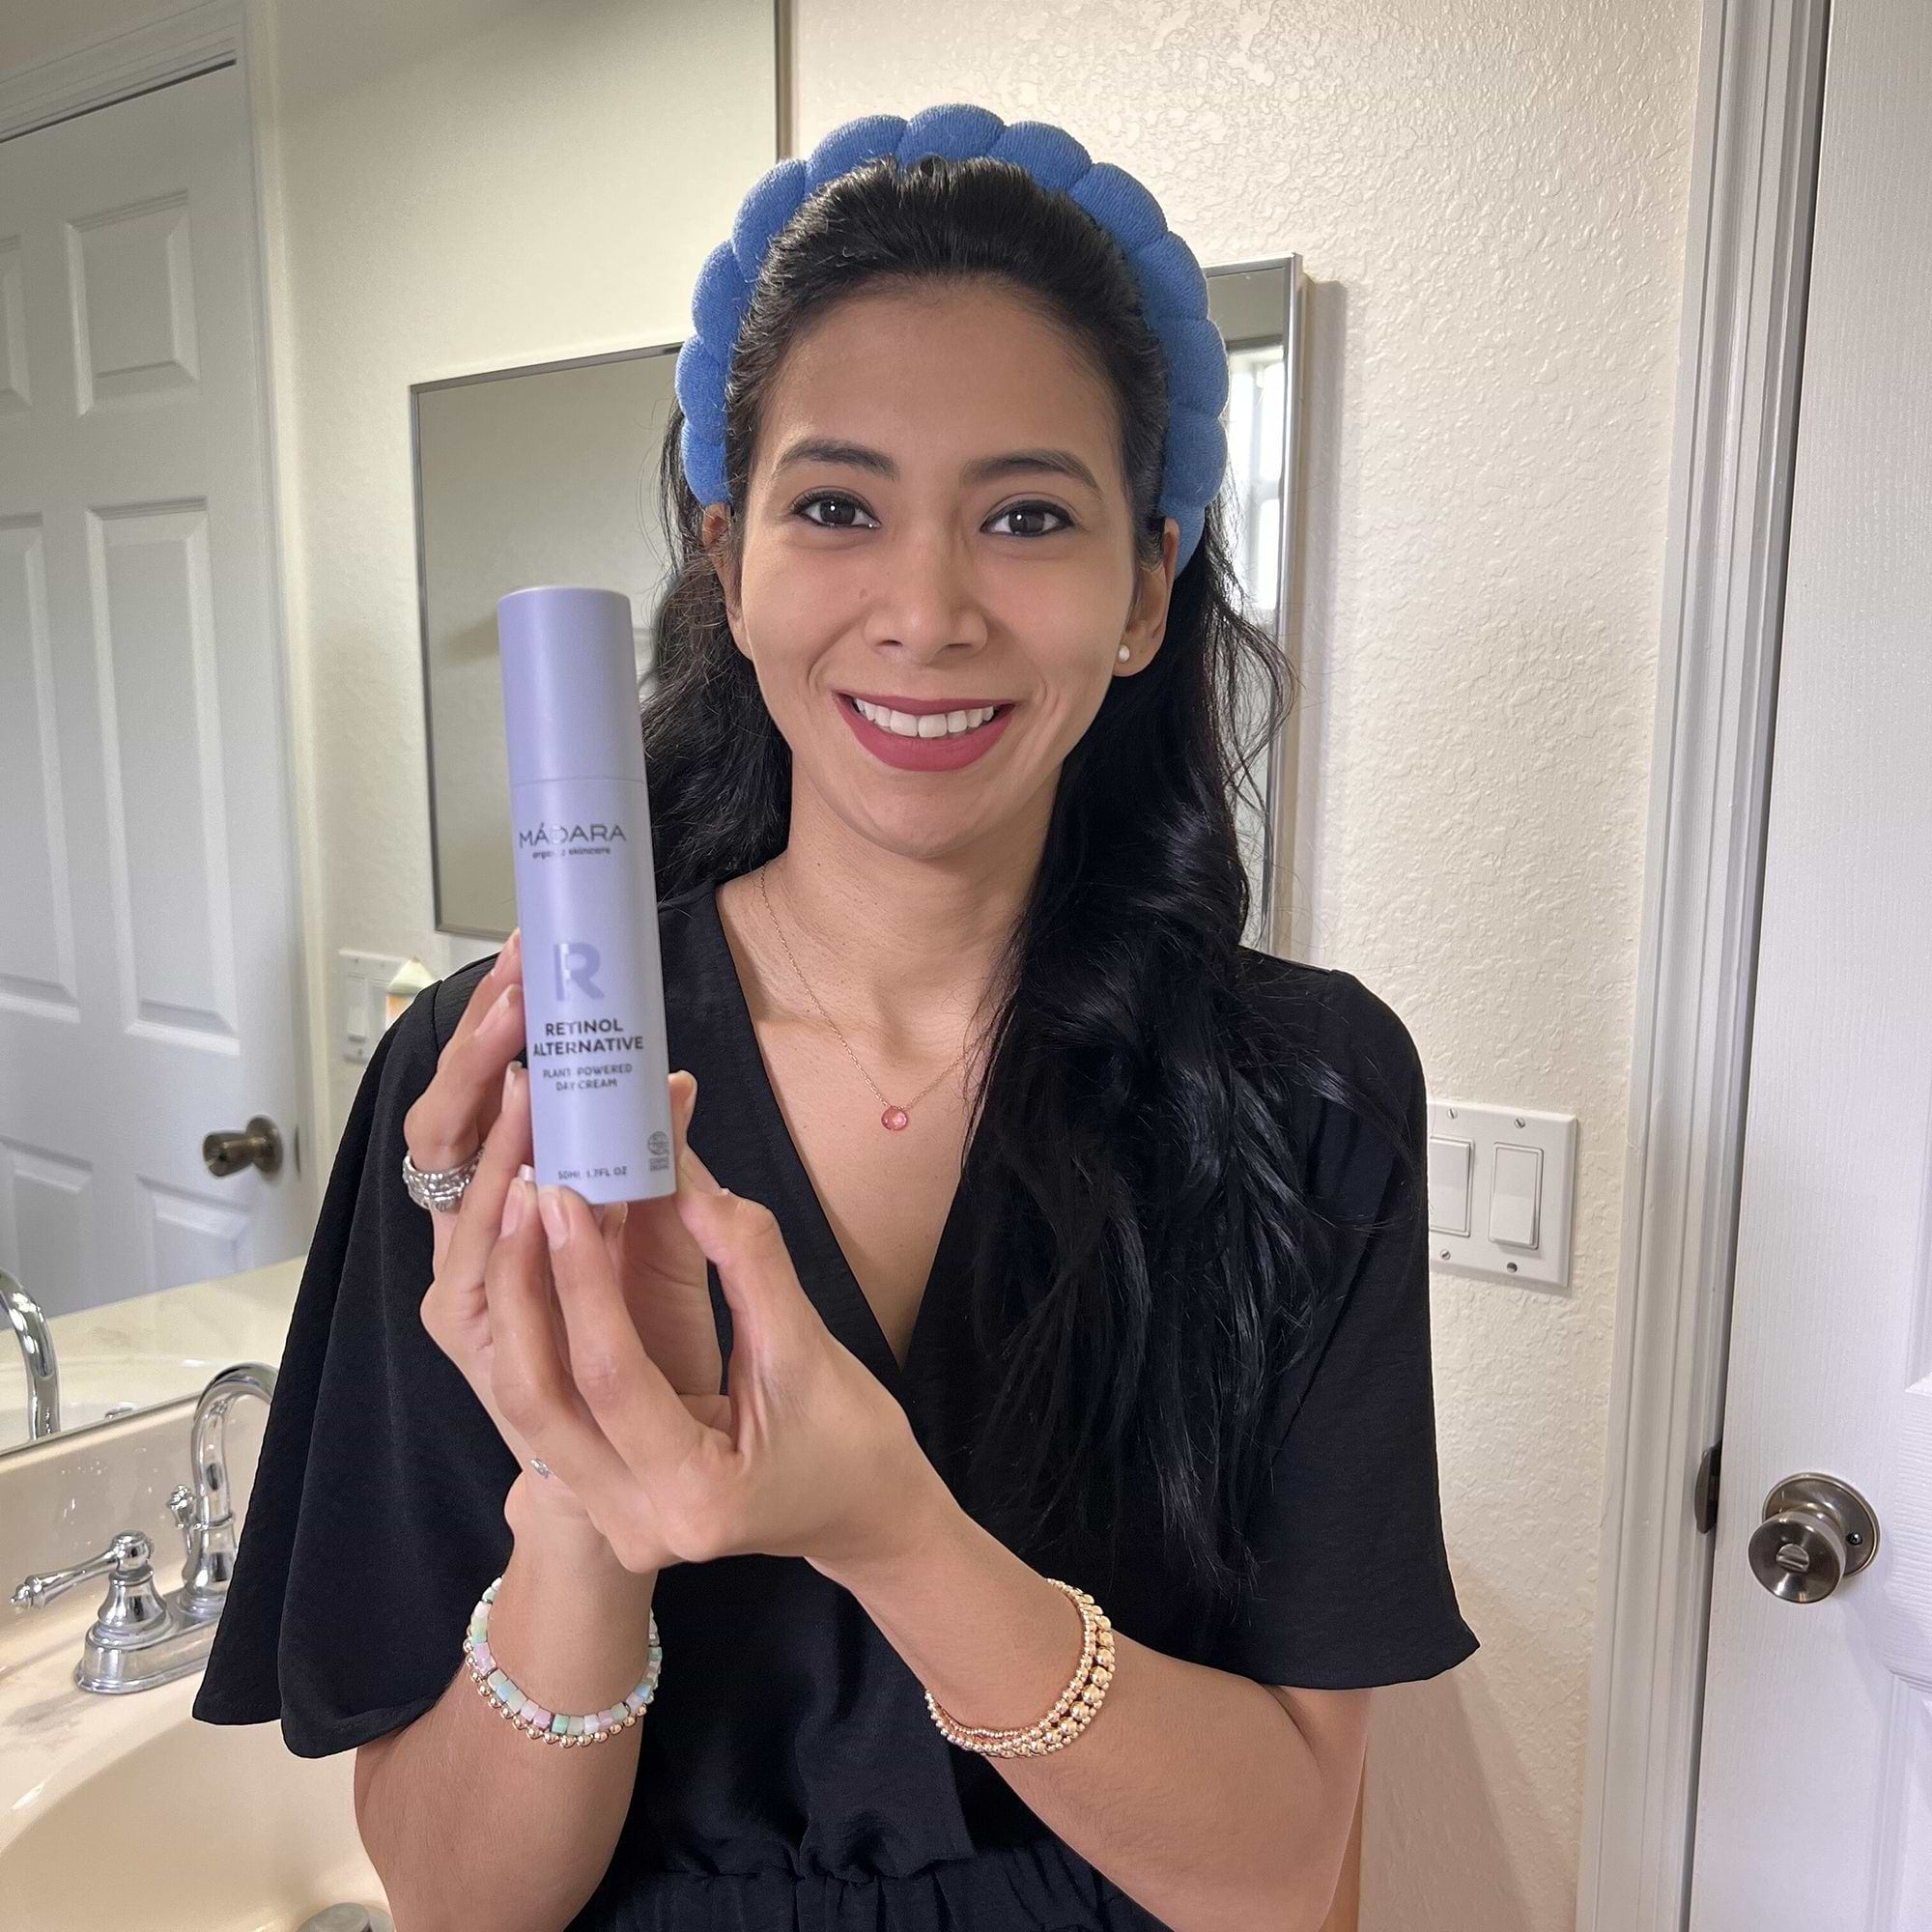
point(479, 1096)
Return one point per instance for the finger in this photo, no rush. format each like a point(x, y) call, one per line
point(528, 1379)
point(506, 1147)
point(742, 1238)
point(610, 1221)
point(651, 1245)
point(635, 1408)
point(683, 1104)
point(506, 969)
point(448, 1120)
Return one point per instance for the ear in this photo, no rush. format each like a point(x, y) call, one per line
point(716, 536)
point(1154, 589)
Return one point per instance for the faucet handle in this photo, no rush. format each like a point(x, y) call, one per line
point(183, 1507)
point(127, 1556)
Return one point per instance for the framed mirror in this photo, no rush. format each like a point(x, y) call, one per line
point(167, 595)
point(546, 475)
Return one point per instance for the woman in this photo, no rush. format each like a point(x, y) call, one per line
point(1045, 1239)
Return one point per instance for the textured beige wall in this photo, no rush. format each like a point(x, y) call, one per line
point(1493, 198)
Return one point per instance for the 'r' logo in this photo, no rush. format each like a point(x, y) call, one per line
point(576, 961)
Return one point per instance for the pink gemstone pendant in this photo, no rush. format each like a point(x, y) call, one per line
point(894, 1117)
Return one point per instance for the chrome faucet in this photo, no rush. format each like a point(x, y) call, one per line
point(210, 1536)
point(37, 1349)
point(140, 1637)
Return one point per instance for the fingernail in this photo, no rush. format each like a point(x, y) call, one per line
point(527, 1173)
point(509, 1081)
point(514, 1206)
point(514, 945)
point(504, 999)
point(550, 1205)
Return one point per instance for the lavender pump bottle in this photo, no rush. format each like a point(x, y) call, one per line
point(587, 894)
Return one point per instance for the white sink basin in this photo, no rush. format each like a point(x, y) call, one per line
point(178, 1826)
point(123, 1811)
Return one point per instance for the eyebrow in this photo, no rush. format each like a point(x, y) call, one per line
point(981, 469)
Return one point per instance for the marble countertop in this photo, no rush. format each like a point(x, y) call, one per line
point(154, 1348)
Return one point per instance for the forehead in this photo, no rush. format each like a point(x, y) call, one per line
point(939, 375)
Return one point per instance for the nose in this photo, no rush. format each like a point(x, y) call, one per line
point(926, 600)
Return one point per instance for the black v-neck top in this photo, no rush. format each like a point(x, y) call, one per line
point(790, 1778)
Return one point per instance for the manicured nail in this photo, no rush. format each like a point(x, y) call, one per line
point(550, 1205)
point(509, 1081)
point(512, 946)
point(514, 1206)
point(528, 1173)
point(504, 999)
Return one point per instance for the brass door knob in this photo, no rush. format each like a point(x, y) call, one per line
point(258, 1145)
point(1815, 1530)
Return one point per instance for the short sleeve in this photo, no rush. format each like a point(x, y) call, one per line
point(1355, 1589)
point(376, 1516)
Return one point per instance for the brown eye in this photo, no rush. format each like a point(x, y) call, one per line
point(1032, 509)
point(808, 502)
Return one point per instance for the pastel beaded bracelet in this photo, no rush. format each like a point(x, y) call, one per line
point(554, 1727)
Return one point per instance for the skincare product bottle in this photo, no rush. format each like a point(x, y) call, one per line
point(587, 894)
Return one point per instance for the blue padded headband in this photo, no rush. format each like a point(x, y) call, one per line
point(1173, 288)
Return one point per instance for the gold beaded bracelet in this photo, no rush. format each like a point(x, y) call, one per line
point(1071, 1714)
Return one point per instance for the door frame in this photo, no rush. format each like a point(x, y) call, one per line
point(1747, 266)
point(96, 74)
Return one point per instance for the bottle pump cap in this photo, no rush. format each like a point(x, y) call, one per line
point(570, 684)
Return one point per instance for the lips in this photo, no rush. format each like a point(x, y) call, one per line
point(948, 754)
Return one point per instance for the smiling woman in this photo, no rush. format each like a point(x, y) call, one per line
point(1146, 1284)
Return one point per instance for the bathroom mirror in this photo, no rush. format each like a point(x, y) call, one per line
point(548, 475)
point(208, 638)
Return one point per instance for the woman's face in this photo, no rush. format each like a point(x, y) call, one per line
point(968, 542)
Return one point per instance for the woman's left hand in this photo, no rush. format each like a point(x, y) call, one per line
point(809, 1455)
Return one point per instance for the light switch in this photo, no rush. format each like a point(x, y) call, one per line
point(1449, 1164)
point(354, 1015)
point(364, 977)
point(1515, 1189)
point(1500, 1180)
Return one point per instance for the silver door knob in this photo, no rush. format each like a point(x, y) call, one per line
point(1815, 1530)
point(258, 1145)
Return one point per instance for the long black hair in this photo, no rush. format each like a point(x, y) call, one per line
point(1147, 1262)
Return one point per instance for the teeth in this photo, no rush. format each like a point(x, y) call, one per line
point(933, 725)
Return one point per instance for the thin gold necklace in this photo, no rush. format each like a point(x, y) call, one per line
point(894, 1119)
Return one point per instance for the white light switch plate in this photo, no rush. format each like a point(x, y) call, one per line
point(1500, 1182)
point(363, 981)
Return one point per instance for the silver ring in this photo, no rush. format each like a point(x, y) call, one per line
point(538, 1464)
point(441, 1189)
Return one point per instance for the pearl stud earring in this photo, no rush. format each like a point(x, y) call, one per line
point(1123, 654)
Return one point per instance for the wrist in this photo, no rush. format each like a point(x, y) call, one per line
point(538, 1509)
point(917, 1512)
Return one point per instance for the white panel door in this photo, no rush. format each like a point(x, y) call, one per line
point(150, 962)
point(1815, 1782)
